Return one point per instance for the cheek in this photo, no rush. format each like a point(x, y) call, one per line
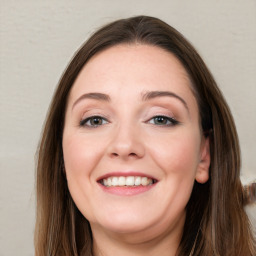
point(80, 156)
point(179, 158)
point(178, 155)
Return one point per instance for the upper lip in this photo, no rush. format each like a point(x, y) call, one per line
point(125, 174)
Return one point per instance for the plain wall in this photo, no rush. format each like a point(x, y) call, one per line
point(37, 40)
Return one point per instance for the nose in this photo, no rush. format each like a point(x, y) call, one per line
point(127, 143)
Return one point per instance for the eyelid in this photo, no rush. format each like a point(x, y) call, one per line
point(95, 112)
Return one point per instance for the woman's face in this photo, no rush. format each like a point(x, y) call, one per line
point(132, 143)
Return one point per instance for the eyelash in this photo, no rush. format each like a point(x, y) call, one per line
point(90, 119)
point(168, 121)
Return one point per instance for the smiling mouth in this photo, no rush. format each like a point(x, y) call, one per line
point(129, 181)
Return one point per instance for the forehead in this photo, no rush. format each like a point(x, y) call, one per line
point(133, 68)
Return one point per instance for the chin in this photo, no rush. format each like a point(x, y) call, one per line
point(125, 222)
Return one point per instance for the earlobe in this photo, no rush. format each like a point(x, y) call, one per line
point(202, 174)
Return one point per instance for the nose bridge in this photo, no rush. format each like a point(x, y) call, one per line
point(126, 141)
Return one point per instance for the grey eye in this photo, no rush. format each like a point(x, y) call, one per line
point(163, 120)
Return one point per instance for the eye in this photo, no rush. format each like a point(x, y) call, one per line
point(163, 121)
point(93, 121)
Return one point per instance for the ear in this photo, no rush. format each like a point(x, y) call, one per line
point(202, 174)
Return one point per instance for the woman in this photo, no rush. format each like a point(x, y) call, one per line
point(139, 153)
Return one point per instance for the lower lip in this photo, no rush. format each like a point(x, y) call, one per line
point(127, 190)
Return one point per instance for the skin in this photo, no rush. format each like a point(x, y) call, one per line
point(129, 139)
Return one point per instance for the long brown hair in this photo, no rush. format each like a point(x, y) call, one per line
point(216, 222)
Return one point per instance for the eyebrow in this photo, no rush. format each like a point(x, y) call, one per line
point(145, 97)
point(94, 96)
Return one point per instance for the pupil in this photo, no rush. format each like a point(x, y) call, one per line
point(96, 121)
point(160, 120)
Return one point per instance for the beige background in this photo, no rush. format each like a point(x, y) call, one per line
point(38, 39)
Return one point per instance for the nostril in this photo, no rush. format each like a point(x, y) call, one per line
point(132, 154)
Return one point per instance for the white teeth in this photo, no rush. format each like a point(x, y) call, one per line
point(115, 181)
point(109, 182)
point(127, 181)
point(121, 181)
point(105, 182)
point(137, 181)
point(144, 181)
